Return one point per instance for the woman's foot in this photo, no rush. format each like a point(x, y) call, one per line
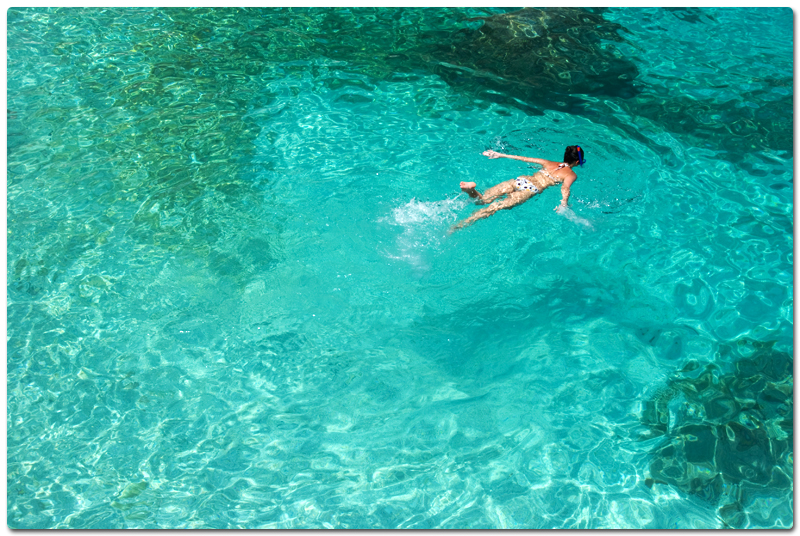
point(469, 189)
point(456, 227)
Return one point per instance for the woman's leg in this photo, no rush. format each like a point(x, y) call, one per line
point(504, 188)
point(513, 199)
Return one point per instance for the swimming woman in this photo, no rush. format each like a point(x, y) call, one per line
point(519, 190)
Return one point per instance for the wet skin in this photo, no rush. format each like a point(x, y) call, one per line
point(554, 173)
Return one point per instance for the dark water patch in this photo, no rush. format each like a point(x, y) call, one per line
point(542, 56)
point(730, 128)
point(691, 15)
point(728, 436)
point(668, 340)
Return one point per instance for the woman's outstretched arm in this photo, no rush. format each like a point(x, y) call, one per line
point(495, 154)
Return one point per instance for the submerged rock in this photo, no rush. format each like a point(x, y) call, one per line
point(541, 55)
point(727, 436)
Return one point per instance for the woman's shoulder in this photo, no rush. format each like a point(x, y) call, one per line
point(568, 174)
point(549, 164)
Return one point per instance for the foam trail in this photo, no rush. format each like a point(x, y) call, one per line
point(423, 224)
point(571, 216)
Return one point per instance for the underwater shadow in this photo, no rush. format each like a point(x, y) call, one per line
point(727, 436)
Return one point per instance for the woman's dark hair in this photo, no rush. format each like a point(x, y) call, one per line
point(574, 153)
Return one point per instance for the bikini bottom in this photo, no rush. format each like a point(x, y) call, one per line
point(524, 184)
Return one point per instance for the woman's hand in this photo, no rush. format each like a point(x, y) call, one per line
point(492, 154)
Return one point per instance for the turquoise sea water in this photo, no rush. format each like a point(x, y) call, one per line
point(232, 300)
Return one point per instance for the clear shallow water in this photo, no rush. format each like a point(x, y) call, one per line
point(233, 302)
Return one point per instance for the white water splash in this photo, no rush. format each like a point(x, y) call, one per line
point(571, 216)
point(424, 225)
